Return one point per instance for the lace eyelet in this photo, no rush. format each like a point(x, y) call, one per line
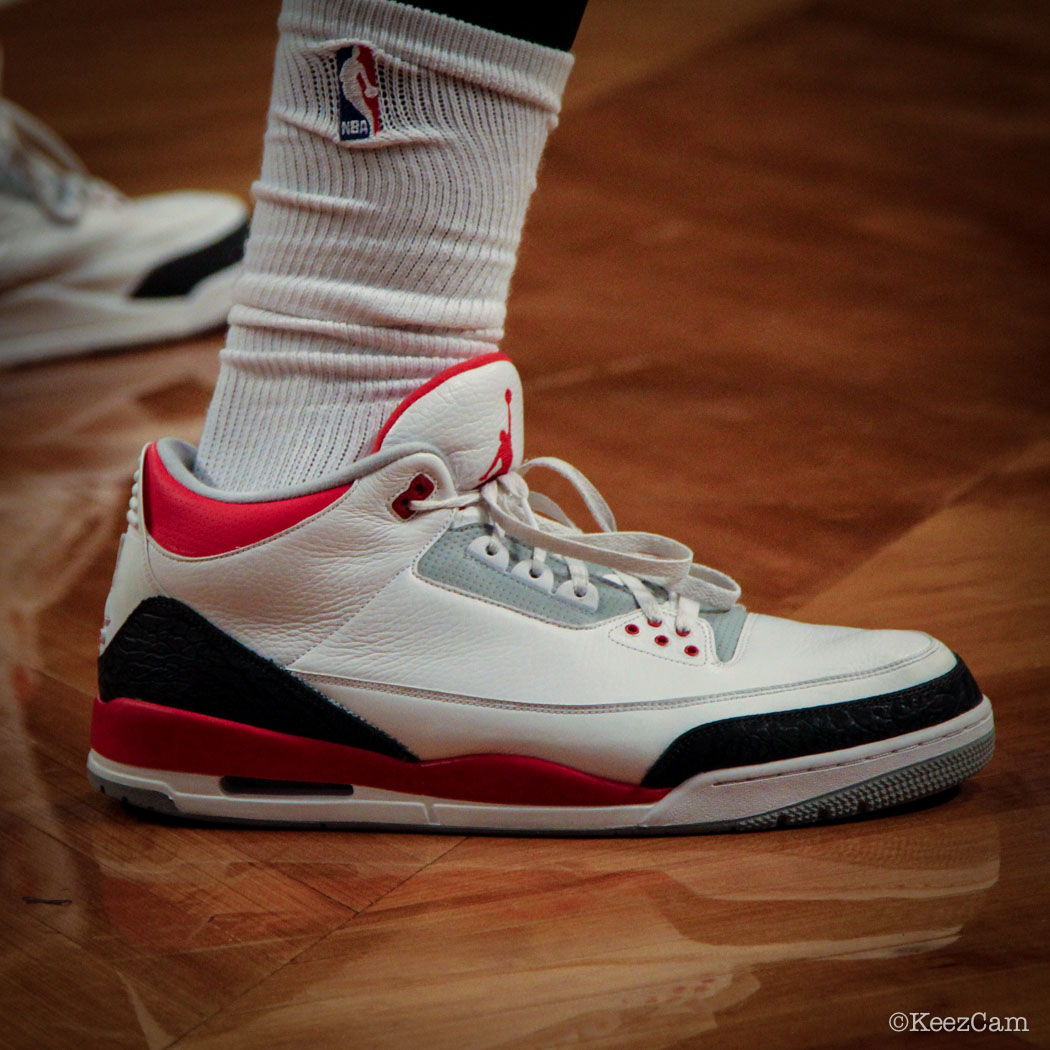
point(579, 593)
point(632, 628)
point(655, 623)
point(682, 634)
point(492, 550)
point(534, 573)
point(420, 487)
point(691, 650)
point(661, 639)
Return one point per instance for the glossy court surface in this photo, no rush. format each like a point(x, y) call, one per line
point(784, 295)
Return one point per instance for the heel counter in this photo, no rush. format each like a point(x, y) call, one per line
point(132, 581)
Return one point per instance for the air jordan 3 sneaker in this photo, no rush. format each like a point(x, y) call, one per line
point(84, 268)
point(421, 642)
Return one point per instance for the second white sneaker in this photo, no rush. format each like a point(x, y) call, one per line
point(83, 268)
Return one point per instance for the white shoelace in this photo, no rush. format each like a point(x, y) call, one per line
point(35, 161)
point(638, 559)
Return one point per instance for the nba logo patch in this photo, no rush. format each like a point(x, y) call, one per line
point(359, 110)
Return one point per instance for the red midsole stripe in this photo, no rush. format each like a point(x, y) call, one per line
point(137, 733)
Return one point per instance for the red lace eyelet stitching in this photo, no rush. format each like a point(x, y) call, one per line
point(661, 639)
point(682, 634)
point(420, 487)
point(632, 628)
point(655, 623)
point(691, 650)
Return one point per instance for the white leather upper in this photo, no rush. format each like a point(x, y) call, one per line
point(338, 600)
point(513, 682)
point(288, 593)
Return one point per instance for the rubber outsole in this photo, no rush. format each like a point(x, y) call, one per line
point(887, 791)
point(924, 779)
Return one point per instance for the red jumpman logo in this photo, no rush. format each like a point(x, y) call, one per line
point(504, 454)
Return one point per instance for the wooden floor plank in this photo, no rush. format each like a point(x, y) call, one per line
point(638, 944)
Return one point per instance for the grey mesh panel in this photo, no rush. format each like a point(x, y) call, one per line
point(727, 627)
point(448, 562)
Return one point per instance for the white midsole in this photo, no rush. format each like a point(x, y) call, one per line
point(709, 798)
point(49, 320)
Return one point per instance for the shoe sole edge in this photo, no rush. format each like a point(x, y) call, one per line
point(857, 782)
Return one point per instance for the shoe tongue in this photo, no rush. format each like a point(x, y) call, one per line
point(472, 412)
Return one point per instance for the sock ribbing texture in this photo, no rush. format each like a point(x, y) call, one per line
point(374, 262)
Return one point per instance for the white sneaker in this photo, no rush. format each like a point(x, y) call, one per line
point(422, 643)
point(83, 268)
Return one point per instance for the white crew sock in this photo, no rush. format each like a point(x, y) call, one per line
point(377, 261)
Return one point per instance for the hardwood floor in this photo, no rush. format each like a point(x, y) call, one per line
point(784, 295)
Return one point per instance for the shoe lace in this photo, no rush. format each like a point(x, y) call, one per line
point(36, 163)
point(638, 560)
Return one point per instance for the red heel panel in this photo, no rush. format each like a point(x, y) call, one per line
point(193, 526)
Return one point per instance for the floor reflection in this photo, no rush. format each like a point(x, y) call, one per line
point(644, 943)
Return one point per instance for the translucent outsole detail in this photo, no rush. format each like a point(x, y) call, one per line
point(926, 778)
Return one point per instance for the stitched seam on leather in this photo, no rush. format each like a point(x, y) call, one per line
point(361, 718)
point(147, 569)
point(339, 625)
point(324, 641)
point(378, 591)
point(599, 709)
point(389, 580)
point(241, 620)
point(749, 740)
point(856, 761)
point(182, 559)
point(354, 488)
point(244, 668)
point(742, 642)
point(144, 553)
